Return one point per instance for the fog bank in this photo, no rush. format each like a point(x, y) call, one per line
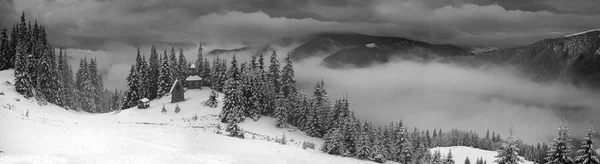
point(444, 96)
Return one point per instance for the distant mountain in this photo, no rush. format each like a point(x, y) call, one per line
point(254, 51)
point(340, 49)
point(573, 58)
point(227, 51)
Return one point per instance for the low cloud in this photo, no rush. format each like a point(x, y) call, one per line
point(431, 95)
point(435, 95)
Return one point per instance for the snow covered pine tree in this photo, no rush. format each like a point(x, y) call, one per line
point(587, 154)
point(508, 153)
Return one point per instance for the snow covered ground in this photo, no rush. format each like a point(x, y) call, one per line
point(460, 153)
point(51, 134)
point(54, 135)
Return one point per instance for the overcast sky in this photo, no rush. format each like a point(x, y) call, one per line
point(92, 24)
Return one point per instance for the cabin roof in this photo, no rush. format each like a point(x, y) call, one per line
point(174, 84)
point(144, 100)
point(193, 78)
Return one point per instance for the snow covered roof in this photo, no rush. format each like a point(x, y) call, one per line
point(371, 45)
point(193, 66)
point(193, 78)
point(173, 86)
point(144, 100)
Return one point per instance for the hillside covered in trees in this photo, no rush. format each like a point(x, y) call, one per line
point(253, 90)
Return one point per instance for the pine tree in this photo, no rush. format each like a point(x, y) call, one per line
point(132, 95)
point(274, 73)
point(234, 130)
point(406, 147)
point(234, 72)
point(287, 78)
point(80, 75)
point(163, 110)
point(321, 105)
point(561, 148)
point(256, 99)
point(437, 157)
point(98, 86)
point(310, 126)
point(206, 71)
point(88, 91)
point(177, 109)
point(23, 81)
point(363, 149)
point(165, 79)
point(508, 153)
point(182, 66)
point(349, 131)
point(587, 154)
point(212, 100)
point(115, 105)
point(281, 111)
point(66, 81)
point(47, 77)
point(378, 153)
point(334, 143)
point(428, 138)
point(232, 103)
point(200, 63)
point(449, 157)
point(5, 54)
point(153, 73)
point(467, 161)
point(173, 65)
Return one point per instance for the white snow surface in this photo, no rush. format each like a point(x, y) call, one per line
point(579, 33)
point(371, 45)
point(54, 135)
point(460, 153)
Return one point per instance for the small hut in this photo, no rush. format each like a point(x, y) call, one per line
point(177, 92)
point(143, 103)
point(193, 82)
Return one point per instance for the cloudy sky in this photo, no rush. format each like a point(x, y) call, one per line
point(93, 24)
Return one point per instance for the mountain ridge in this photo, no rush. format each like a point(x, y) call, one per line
point(340, 49)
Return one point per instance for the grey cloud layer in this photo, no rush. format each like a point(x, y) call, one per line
point(91, 24)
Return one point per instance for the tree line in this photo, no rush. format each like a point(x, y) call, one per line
point(251, 90)
point(42, 74)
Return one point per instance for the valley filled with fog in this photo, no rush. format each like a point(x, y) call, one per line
point(426, 95)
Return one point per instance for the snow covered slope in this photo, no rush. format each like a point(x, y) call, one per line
point(460, 153)
point(579, 33)
point(51, 134)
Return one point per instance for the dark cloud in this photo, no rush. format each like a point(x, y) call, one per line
point(91, 24)
point(6, 13)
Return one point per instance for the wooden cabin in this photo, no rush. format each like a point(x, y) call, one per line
point(177, 92)
point(143, 103)
point(194, 82)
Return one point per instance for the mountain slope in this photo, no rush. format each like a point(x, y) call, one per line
point(50, 134)
point(573, 59)
point(360, 50)
point(228, 51)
